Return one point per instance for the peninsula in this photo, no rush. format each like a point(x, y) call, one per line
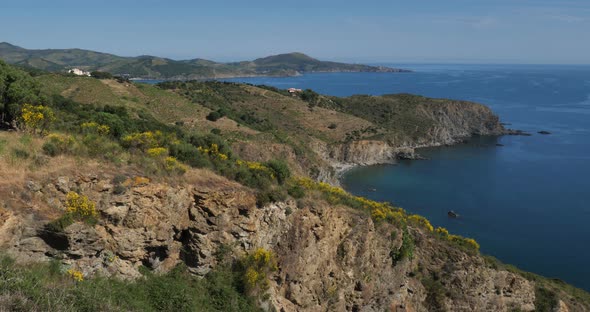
point(153, 67)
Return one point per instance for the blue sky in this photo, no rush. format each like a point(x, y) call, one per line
point(471, 31)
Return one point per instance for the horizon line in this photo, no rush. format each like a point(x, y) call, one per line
point(361, 60)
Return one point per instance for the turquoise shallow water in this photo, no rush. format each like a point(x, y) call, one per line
point(527, 202)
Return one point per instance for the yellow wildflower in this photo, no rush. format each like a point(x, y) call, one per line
point(75, 274)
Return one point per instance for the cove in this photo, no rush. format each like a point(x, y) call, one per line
point(526, 202)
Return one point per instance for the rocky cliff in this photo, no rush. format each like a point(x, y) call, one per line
point(441, 123)
point(330, 258)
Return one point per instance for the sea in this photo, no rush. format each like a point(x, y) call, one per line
point(525, 199)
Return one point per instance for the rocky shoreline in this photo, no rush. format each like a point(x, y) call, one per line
point(405, 153)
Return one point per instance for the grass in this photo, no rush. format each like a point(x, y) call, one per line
point(48, 287)
point(267, 109)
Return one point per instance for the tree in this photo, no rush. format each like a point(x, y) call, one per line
point(101, 75)
point(215, 115)
point(16, 88)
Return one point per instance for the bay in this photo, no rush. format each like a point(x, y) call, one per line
point(526, 202)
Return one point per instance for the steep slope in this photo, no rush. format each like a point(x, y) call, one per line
point(329, 257)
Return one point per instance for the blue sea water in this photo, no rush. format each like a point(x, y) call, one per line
point(527, 202)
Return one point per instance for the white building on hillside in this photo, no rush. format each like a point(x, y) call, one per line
point(78, 72)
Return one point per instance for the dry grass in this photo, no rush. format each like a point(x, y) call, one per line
point(208, 180)
point(294, 116)
point(16, 170)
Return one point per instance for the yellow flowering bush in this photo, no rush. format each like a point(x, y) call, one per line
point(382, 211)
point(80, 206)
point(442, 232)
point(35, 118)
point(144, 140)
point(157, 152)
point(58, 144)
point(257, 266)
point(171, 164)
point(256, 166)
point(468, 243)
point(421, 221)
point(379, 211)
point(213, 151)
point(75, 275)
point(95, 128)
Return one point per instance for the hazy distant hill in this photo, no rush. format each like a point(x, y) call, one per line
point(147, 66)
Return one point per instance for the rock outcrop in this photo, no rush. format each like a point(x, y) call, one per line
point(452, 122)
point(329, 257)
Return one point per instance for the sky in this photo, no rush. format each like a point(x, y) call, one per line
point(379, 31)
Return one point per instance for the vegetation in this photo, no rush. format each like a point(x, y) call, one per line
point(33, 288)
point(406, 250)
point(16, 88)
point(156, 67)
point(255, 268)
point(388, 213)
point(78, 208)
point(101, 75)
point(435, 293)
point(135, 130)
point(36, 119)
point(466, 243)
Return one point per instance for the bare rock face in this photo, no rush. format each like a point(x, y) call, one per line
point(329, 258)
point(450, 122)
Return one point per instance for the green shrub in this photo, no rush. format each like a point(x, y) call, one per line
point(58, 144)
point(215, 115)
point(296, 191)
point(120, 178)
point(2, 145)
point(545, 299)
point(21, 153)
point(406, 250)
point(253, 178)
point(271, 196)
point(50, 149)
point(189, 154)
point(33, 288)
point(59, 224)
point(280, 169)
point(435, 294)
point(101, 75)
point(119, 189)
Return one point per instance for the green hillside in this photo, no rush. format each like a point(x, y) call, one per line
point(59, 60)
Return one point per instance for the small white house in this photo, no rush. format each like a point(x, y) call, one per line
point(78, 72)
point(293, 90)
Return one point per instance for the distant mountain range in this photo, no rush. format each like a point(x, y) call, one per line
point(146, 66)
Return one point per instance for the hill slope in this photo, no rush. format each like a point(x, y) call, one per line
point(148, 184)
point(163, 68)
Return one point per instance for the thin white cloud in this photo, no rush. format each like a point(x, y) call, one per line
point(566, 18)
point(474, 22)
